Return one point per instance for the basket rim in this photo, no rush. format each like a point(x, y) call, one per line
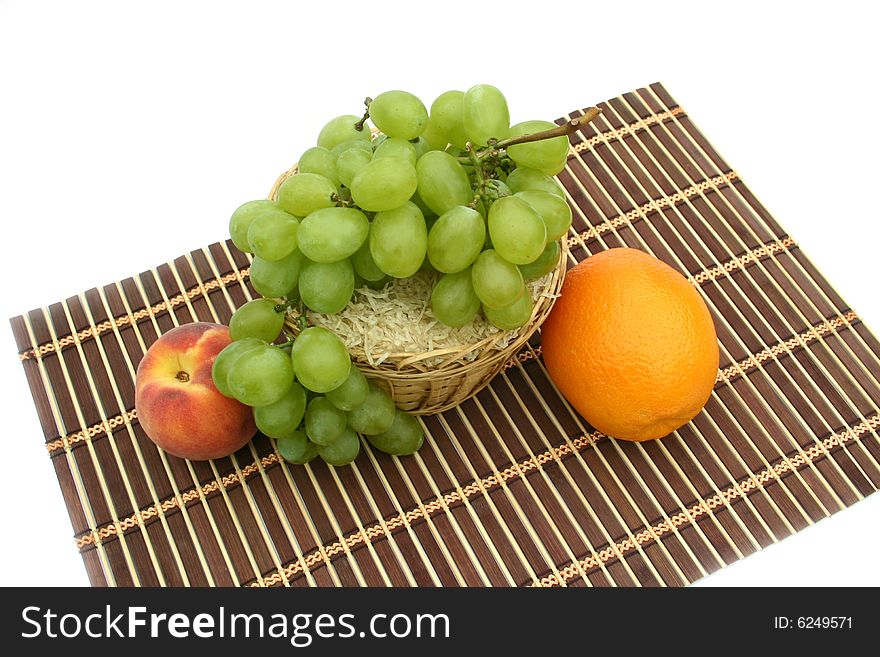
point(403, 366)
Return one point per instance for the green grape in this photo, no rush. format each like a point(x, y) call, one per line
point(332, 234)
point(277, 278)
point(399, 114)
point(442, 182)
point(260, 376)
point(225, 359)
point(394, 147)
point(446, 118)
point(283, 417)
point(453, 299)
point(518, 232)
point(434, 141)
point(351, 393)
point(523, 179)
point(256, 319)
point(497, 282)
point(241, 220)
point(320, 359)
point(384, 184)
point(324, 422)
point(303, 193)
point(326, 287)
point(547, 156)
point(404, 436)
point(272, 234)
point(321, 161)
point(555, 212)
point(456, 239)
point(358, 144)
point(545, 263)
point(398, 239)
point(341, 451)
point(296, 448)
point(485, 114)
point(373, 416)
point(511, 316)
point(341, 129)
point(365, 266)
point(427, 212)
point(350, 162)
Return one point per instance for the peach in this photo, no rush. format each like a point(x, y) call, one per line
point(176, 401)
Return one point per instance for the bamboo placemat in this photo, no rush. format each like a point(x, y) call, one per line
point(512, 487)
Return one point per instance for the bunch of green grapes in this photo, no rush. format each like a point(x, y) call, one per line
point(306, 393)
point(448, 190)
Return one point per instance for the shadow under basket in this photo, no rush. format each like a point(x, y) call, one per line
point(435, 381)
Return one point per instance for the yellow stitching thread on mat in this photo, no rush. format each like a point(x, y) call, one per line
point(123, 320)
point(190, 495)
point(654, 204)
point(738, 263)
point(812, 334)
point(730, 372)
point(92, 431)
point(619, 133)
point(736, 491)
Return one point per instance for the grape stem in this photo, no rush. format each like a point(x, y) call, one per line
point(359, 126)
point(495, 146)
point(486, 161)
point(341, 202)
point(559, 131)
point(479, 175)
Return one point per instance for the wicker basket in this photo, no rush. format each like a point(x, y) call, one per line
point(421, 385)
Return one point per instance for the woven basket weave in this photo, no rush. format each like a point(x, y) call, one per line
point(440, 379)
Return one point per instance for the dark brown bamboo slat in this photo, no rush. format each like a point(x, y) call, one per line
point(512, 487)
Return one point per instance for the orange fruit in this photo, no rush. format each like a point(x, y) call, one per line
point(631, 345)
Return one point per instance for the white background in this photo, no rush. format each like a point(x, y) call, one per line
point(130, 131)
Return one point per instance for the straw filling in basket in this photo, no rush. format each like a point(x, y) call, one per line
point(396, 322)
